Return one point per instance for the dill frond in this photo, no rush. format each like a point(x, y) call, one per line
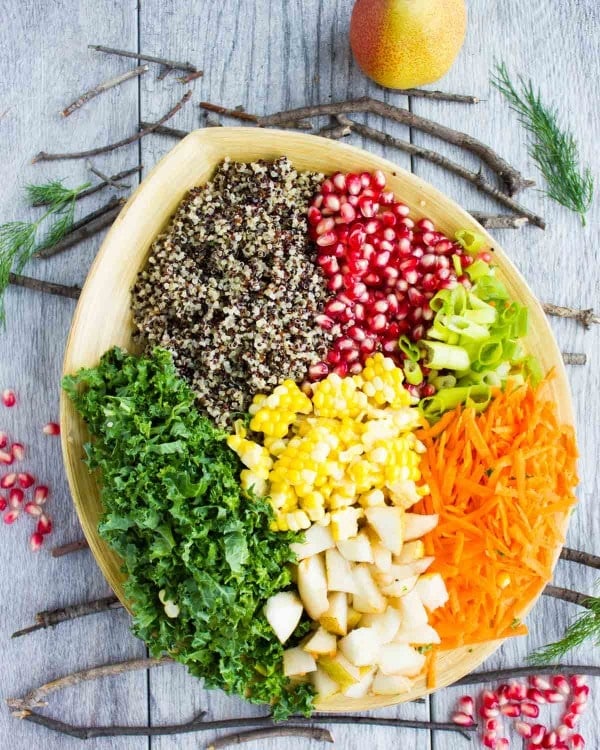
point(57, 230)
point(52, 193)
point(552, 148)
point(586, 626)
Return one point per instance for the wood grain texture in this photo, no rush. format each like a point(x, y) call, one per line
point(265, 55)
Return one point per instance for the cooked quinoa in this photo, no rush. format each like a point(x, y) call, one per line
point(231, 288)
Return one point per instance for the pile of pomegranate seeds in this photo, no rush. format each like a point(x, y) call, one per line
point(522, 700)
point(24, 495)
point(382, 268)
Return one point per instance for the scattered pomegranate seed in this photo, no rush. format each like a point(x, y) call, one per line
point(541, 683)
point(577, 708)
point(489, 699)
point(517, 691)
point(466, 705)
point(32, 509)
point(489, 740)
point(492, 725)
point(577, 680)
point(570, 720)
point(531, 710)
point(18, 451)
point(538, 732)
point(502, 744)
point(35, 541)
point(3, 439)
point(535, 695)
point(560, 683)
point(554, 696)
point(26, 480)
point(8, 480)
point(462, 719)
point(489, 713)
point(8, 397)
point(3, 503)
point(550, 739)
point(44, 525)
point(511, 709)
point(581, 693)
point(562, 731)
point(523, 728)
point(11, 516)
point(15, 497)
point(40, 494)
point(577, 742)
point(6, 458)
point(318, 371)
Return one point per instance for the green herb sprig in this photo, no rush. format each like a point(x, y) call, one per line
point(552, 148)
point(19, 239)
point(586, 626)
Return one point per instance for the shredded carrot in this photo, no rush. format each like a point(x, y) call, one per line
point(503, 482)
point(431, 674)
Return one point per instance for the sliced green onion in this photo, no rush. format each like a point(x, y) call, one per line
point(521, 323)
point(467, 328)
point(446, 356)
point(441, 300)
point(477, 269)
point(411, 350)
point(490, 353)
point(533, 369)
point(471, 241)
point(441, 382)
point(458, 269)
point(481, 316)
point(413, 372)
point(475, 395)
point(490, 288)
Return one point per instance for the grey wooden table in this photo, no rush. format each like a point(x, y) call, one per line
point(265, 55)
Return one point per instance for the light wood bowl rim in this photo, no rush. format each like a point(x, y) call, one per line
point(306, 151)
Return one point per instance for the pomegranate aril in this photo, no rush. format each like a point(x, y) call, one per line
point(577, 680)
point(489, 740)
point(492, 725)
point(562, 731)
point(581, 693)
point(326, 239)
point(511, 709)
point(462, 719)
point(377, 322)
point(577, 708)
point(386, 198)
point(331, 203)
point(8, 481)
point(428, 238)
point(317, 201)
point(6, 458)
point(313, 215)
point(378, 179)
point(415, 297)
point(466, 705)
point(530, 710)
point(18, 451)
point(489, 712)
point(367, 207)
point(44, 525)
point(517, 691)
point(318, 371)
point(324, 322)
point(3, 439)
point(577, 742)
point(15, 497)
point(10, 516)
point(541, 683)
point(425, 225)
point(8, 397)
point(535, 695)
point(356, 333)
point(418, 332)
point(347, 213)
point(553, 696)
point(32, 509)
point(550, 739)
point(35, 541)
point(368, 345)
point(411, 277)
point(502, 744)
point(538, 732)
point(52, 428)
point(372, 226)
point(489, 699)
point(523, 728)
point(335, 283)
point(341, 369)
point(26, 480)
point(353, 184)
point(3, 503)
point(571, 720)
point(40, 494)
point(560, 683)
point(334, 357)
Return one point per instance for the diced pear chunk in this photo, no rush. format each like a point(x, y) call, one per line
point(400, 588)
point(421, 636)
point(368, 597)
point(382, 557)
point(335, 618)
point(340, 669)
point(414, 550)
point(390, 684)
point(357, 549)
point(361, 646)
point(324, 685)
point(283, 612)
point(400, 658)
point(316, 539)
point(354, 618)
point(386, 623)
point(296, 661)
point(417, 525)
point(388, 522)
point(339, 572)
point(344, 523)
point(362, 686)
point(414, 568)
point(432, 590)
point(321, 642)
point(412, 610)
point(312, 586)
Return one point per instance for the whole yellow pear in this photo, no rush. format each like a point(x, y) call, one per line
point(405, 43)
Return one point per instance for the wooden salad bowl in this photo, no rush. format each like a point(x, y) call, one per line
point(103, 317)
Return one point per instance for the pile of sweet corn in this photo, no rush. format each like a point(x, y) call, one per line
point(326, 457)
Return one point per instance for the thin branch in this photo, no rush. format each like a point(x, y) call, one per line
point(585, 317)
point(164, 71)
point(44, 156)
point(239, 738)
point(503, 675)
point(104, 86)
point(566, 595)
point(578, 556)
point(499, 221)
point(238, 114)
point(49, 618)
point(509, 176)
point(101, 185)
point(86, 227)
point(440, 96)
point(162, 130)
point(335, 132)
point(36, 697)
point(475, 178)
point(190, 77)
point(148, 58)
point(49, 287)
point(106, 178)
point(68, 549)
point(574, 358)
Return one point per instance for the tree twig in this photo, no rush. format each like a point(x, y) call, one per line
point(68, 549)
point(499, 221)
point(44, 156)
point(310, 733)
point(441, 96)
point(566, 595)
point(104, 86)
point(50, 617)
point(578, 556)
point(475, 178)
point(238, 114)
point(36, 697)
point(574, 358)
point(113, 179)
point(164, 130)
point(49, 287)
point(86, 227)
point(148, 58)
point(106, 178)
point(190, 77)
point(510, 177)
point(503, 675)
point(585, 317)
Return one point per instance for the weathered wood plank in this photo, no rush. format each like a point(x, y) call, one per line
point(45, 64)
